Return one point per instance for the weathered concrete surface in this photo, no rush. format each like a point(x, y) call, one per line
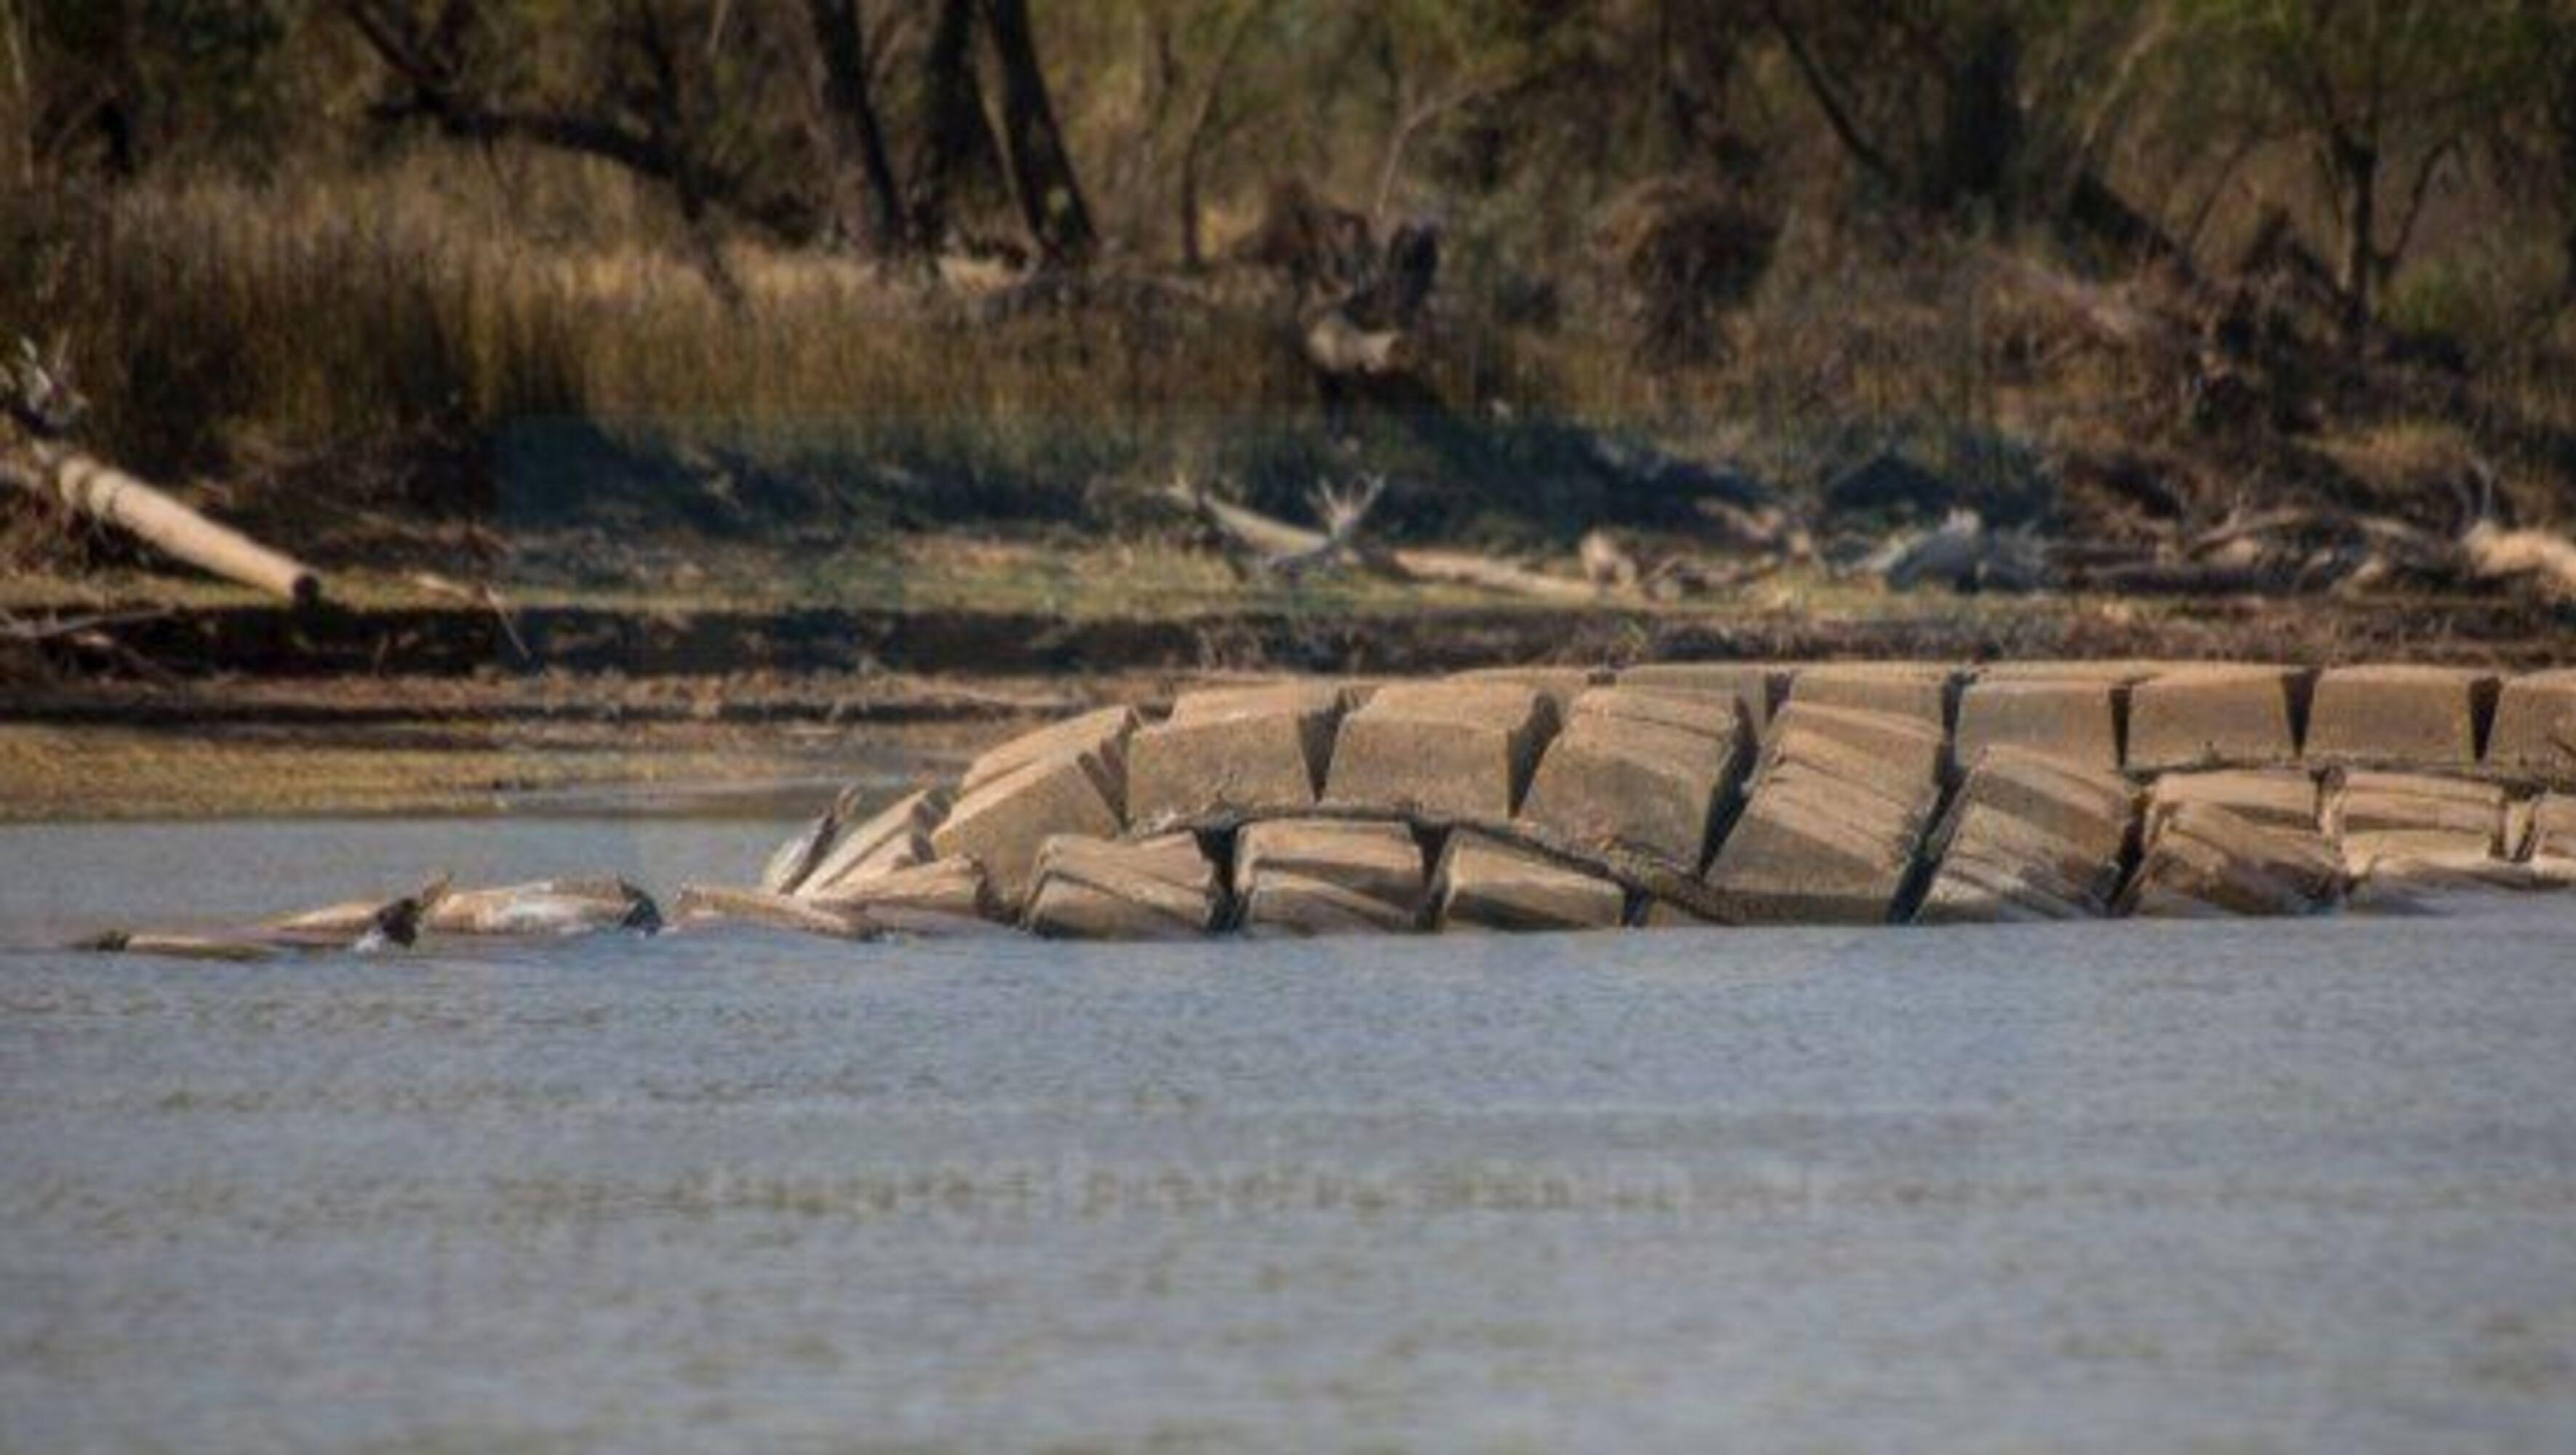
point(1559, 685)
point(795, 860)
point(1100, 736)
point(1001, 824)
point(1239, 749)
point(1638, 769)
point(2552, 835)
point(2202, 860)
point(1327, 876)
point(898, 837)
point(2031, 837)
point(543, 908)
point(944, 897)
point(1898, 752)
point(2282, 798)
point(1441, 748)
point(1161, 888)
point(706, 905)
point(1485, 885)
point(1835, 816)
point(2076, 719)
point(1921, 691)
point(2535, 727)
point(1757, 688)
point(2421, 717)
point(2405, 830)
point(2221, 716)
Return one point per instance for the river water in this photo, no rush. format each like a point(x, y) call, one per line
point(2237, 1187)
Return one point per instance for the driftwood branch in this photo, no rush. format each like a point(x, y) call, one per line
point(104, 493)
point(1282, 546)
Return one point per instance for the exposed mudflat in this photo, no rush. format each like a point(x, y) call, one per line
point(2290, 1185)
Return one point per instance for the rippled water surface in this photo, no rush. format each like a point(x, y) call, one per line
point(2237, 1187)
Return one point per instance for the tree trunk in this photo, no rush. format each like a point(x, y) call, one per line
point(1981, 124)
point(2356, 165)
point(957, 143)
point(1041, 169)
point(865, 192)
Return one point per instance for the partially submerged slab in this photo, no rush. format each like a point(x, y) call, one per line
point(944, 897)
point(2201, 861)
point(1161, 888)
point(1001, 824)
point(2534, 733)
point(1441, 749)
point(545, 907)
point(2031, 837)
point(1328, 876)
point(1483, 884)
point(896, 837)
point(1639, 770)
point(794, 861)
point(2388, 715)
point(2215, 716)
point(1236, 750)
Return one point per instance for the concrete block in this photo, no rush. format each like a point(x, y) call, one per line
point(1442, 749)
point(1300, 694)
point(1755, 687)
point(896, 837)
point(1804, 853)
point(1002, 823)
point(2120, 672)
point(1918, 690)
point(2427, 717)
point(2073, 718)
point(1098, 889)
point(1623, 775)
point(1904, 749)
point(2393, 823)
point(1486, 885)
point(1250, 750)
point(2221, 716)
point(1098, 735)
point(2030, 836)
point(2553, 827)
point(1559, 685)
point(2088, 804)
point(2534, 733)
point(943, 897)
point(2202, 860)
point(2282, 798)
point(1297, 877)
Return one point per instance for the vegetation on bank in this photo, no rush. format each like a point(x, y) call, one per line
point(635, 266)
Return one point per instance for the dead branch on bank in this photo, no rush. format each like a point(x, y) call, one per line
point(1281, 548)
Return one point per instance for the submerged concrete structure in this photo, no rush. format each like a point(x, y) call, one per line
point(1725, 794)
point(1679, 794)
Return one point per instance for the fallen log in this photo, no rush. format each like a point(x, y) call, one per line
point(2549, 561)
point(1282, 546)
point(104, 493)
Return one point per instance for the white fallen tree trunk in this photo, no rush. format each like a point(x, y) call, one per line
point(104, 493)
point(1290, 547)
point(2549, 561)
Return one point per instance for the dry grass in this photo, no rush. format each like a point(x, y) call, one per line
point(409, 336)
